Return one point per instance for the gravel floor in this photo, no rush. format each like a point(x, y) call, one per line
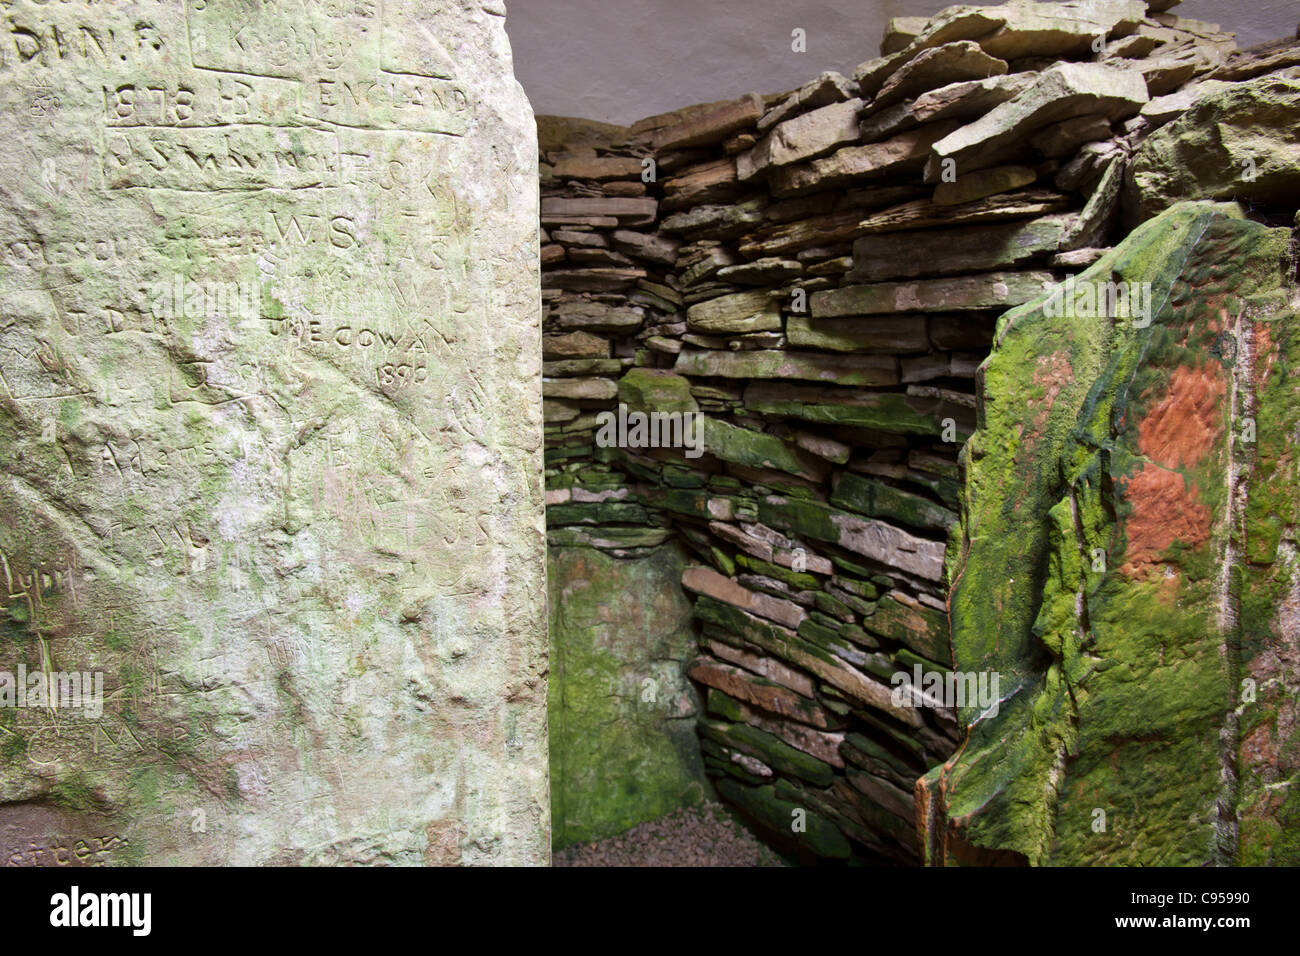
point(708, 835)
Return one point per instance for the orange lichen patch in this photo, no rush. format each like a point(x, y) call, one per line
point(1265, 353)
point(1178, 431)
point(1165, 510)
point(1051, 373)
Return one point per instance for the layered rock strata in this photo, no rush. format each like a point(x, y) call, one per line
point(817, 276)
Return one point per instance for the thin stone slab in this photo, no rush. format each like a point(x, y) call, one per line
point(804, 137)
point(970, 99)
point(712, 182)
point(601, 169)
point(1062, 92)
point(742, 312)
point(828, 88)
point(869, 370)
point(640, 245)
point(928, 213)
point(625, 211)
point(903, 152)
point(953, 251)
point(900, 31)
point(1060, 29)
point(939, 66)
point(879, 334)
point(992, 290)
point(983, 182)
point(711, 126)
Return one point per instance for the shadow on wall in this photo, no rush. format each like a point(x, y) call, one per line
point(621, 710)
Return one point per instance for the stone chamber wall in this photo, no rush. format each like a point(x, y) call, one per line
point(822, 274)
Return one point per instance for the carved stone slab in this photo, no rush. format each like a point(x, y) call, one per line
point(270, 429)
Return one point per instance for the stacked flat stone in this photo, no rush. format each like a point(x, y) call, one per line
point(819, 274)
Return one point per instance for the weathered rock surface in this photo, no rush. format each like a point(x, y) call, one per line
point(271, 430)
point(711, 125)
point(994, 290)
point(983, 182)
point(824, 312)
point(1235, 142)
point(970, 99)
point(901, 153)
point(939, 66)
point(742, 312)
point(946, 251)
point(623, 750)
point(1121, 641)
point(801, 138)
point(1016, 30)
point(826, 89)
point(1063, 91)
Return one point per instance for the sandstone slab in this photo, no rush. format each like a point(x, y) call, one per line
point(983, 182)
point(826, 89)
point(272, 442)
point(621, 752)
point(970, 99)
point(957, 250)
point(803, 137)
point(742, 312)
point(1239, 141)
point(903, 152)
point(939, 66)
point(1064, 91)
point(1125, 438)
point(710, 126)
point(808, 366)
point(993, 290)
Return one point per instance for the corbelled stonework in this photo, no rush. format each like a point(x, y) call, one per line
point(819, 277)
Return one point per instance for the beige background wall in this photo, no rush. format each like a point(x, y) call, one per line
point(620, 60)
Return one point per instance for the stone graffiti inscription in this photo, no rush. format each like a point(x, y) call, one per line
point(268, 301)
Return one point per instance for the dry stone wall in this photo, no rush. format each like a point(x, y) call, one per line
point(816, 277)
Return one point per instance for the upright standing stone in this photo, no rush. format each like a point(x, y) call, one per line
point(270, 423)
point(1156, 457)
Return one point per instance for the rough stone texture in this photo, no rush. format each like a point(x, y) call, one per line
point(828, 319)
point(903, 152)
point(803, 137)
point(1015, 30)
point(982, 183)
point(299, 532)
point(1120, 563)
point(622, 710)
point(961, 249)
point(993, 290)
point(939, 66)
point(926, 213)
point(1057, 29)
point(971, 99)
point(1235, 143)
point(711, 125)
point(1063, 91)
point(826, 89)
point(742, 312)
